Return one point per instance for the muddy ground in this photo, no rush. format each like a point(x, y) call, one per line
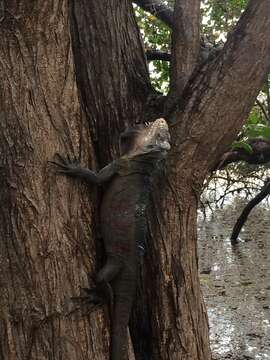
point(236, 282)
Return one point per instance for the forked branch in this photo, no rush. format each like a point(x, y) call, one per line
point(222, 93)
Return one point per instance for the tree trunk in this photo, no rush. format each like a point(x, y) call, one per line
point(173, 296)
point(45, 220)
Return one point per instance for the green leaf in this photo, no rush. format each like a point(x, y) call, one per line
point(242, 145)
point(257, 130)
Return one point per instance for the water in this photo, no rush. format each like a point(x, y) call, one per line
point(236, 281)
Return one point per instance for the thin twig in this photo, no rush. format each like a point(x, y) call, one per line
point(263, 109)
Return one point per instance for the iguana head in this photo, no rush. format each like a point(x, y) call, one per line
point(145, 139)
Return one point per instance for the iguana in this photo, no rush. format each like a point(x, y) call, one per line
point(143, 149)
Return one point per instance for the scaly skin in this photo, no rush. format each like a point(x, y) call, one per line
point(123, 222)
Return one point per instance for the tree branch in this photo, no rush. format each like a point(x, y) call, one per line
point(157, 55)
point(158, 9)
point(206, 54)
point(243, 217)
point(260, 154)
point(185, 43)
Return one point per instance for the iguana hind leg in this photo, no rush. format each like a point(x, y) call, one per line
point(102, 293)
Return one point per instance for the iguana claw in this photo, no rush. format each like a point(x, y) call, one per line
point(66, 166)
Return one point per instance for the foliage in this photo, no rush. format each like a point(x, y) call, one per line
point(219, 17)
point(242, 145)
point(257, 130)
point(257, 126)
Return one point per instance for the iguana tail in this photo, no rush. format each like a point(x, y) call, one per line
point(124, 291)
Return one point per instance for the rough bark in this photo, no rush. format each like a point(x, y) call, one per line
point(45, 221)
point(185, 43)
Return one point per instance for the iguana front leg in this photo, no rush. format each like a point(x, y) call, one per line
point(102, 293)
point(73, 168)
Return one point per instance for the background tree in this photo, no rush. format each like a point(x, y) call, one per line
point(49, 226)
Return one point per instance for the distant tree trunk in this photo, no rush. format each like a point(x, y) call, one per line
point(49, 225)
point(247, 209)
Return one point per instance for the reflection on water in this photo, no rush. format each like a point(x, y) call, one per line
point(236, 282)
